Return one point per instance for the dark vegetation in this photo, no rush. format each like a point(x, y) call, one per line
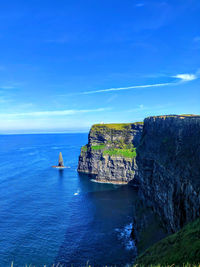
point(177, 249)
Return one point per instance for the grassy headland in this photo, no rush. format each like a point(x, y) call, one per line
point(113, 126)
point(179, 249)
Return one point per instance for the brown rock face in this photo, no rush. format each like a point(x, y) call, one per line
point(60, 160)
point(168, 160)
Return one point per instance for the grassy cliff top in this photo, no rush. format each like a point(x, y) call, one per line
point(177, 249)
point(176, 116)
point(114, 126)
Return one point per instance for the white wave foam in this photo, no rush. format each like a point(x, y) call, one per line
point(77, 193)
point(124, 235)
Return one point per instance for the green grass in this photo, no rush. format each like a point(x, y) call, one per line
point(114, 126)
point(99, 147)
point(189, 115)
point(180, 248)
point(175, 116)
point(128, 153)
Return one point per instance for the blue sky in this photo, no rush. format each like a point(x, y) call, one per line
point(65, 65)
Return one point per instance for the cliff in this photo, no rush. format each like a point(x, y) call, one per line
point(110, 153)
point(168, 159)
point(163, 156)
point(167, 165)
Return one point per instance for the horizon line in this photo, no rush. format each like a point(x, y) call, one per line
point(23, 133)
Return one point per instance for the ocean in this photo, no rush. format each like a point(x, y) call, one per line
point(49, 215)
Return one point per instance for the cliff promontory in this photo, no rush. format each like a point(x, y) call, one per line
point(167, 165)
point(168, 159)
point(110, 153)
point(163, 157)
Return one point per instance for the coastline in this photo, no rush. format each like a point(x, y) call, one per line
point(108, 182)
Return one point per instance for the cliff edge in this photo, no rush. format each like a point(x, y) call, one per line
point(167, 165)
point(163, 156)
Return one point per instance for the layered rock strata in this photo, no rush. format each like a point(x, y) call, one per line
point(168, 159)
point(167, 165)
point(110, 153)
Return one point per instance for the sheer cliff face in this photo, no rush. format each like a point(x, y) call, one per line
point(168, 160)
point(111, 134)
point(167, 165)
point(110, 153)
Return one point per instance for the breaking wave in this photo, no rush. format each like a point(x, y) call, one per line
point(124, 235)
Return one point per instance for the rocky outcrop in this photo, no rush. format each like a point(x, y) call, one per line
point(168, 160)
point(113, 134)
point(109, 155)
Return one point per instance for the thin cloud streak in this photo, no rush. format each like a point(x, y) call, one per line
point(127, 88)
point(181, 77)
point(53, 113)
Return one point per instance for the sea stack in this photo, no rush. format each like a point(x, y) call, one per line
point(60, 161)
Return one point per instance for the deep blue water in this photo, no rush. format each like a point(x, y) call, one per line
point(49, 216)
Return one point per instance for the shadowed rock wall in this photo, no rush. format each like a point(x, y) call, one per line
point(168, 160)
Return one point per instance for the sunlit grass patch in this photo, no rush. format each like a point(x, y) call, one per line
point(114, 126)
point(128, 153)
point(98, 147)
point(179, 249)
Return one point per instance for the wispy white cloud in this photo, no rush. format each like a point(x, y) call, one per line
point(182, 78)
point(52, 113)
point(186, 77)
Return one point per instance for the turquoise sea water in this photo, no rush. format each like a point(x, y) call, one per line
point(49, 216)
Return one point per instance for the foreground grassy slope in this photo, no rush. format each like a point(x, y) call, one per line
point(177, 249)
